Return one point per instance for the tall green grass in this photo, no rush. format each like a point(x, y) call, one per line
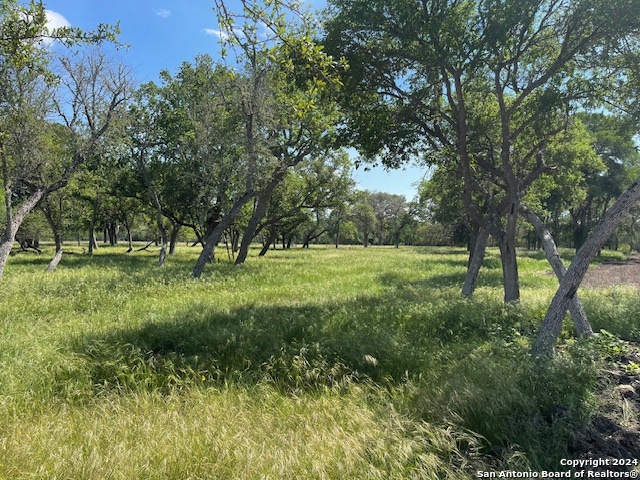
point(320, 363)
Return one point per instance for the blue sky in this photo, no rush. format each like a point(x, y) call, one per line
point(162, 34)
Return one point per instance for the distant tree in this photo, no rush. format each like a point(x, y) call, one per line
point(301, 200)
point(185, 146)
point(364, 215)
point(85, 96)
point(390, 211)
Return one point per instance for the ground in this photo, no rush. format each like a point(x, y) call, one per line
point(608, 274)
point(615, 432)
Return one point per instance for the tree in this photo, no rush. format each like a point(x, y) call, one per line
point(301, 200)
point(364, 215)
point(28, 100)
point(485, 84)
point(552, 323)
point(286, 112)
point(615, 146)
point(549, 330)
point(390, 211)
point(185, 146)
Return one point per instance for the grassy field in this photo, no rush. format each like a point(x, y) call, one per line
point(320, 363)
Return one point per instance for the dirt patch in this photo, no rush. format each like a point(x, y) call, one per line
point(609, 274)
point(614, 433)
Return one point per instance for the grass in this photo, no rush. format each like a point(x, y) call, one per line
point(320, 363)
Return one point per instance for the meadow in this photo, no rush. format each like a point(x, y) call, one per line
point(319, 363)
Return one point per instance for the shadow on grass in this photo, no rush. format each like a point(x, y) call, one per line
point(448, 360)
point(487, 278)
point(291, 347)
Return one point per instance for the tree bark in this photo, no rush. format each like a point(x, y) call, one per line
point(552, 324)
point(93, 242)
point(129, 239)
point(258, 214)
point(507, 246)
point(579, 316)
point(13, 223)
point(57, 238)
point(273, 235)
point(173, 240)
point(475, 263)
point(214, 238)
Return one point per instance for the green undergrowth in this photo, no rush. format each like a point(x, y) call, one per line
point(319, 363)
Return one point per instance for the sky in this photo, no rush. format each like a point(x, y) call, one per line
point(162, 34)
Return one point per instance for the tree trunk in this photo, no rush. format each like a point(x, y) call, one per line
point(552, 324)
point(48, 212)
point(13, 224)
point(57, 237)
point(173, 240)
point(93, 243)
point(475, 263)
point(55, 260)
point(164, 244)
point(235, 240)
point(214, 238)
point(507, 246)
point(6, 244)
point(129, 239)
point(273, 236)
point(259, 212)
point(579, 316)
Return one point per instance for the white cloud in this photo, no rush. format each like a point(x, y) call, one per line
point(223, 34)
point(164, 13)
point(218, 33)
point(55, 20)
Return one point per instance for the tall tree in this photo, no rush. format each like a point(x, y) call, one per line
point(486, 84)
point(286, 113)
point(84, 96)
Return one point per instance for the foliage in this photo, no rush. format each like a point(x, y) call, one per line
point(485, 86)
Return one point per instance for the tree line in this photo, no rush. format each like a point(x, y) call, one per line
point(525, 112)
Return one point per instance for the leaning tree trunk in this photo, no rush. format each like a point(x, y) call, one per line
point(216, 234)
point(13, 224)
point(273, 236)
point(57, 235)
point(552, 324)
point(475, 263)
point(258, 214)
point(57, 238)
point(58, 256)
point(173, 240)
point(579, 316)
